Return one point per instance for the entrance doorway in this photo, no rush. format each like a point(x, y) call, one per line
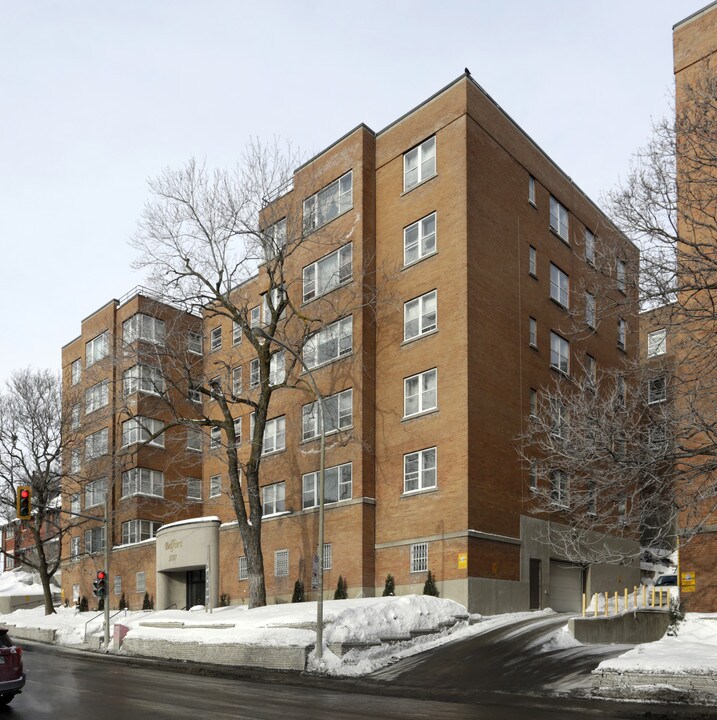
point(196, 587)
point(535, 584)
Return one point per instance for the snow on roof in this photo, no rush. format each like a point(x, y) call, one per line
point(191, 521)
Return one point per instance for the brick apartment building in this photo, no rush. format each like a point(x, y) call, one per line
point(694, 44)
point(482, 274)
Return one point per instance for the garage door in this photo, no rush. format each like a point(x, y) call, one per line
point(566, 587)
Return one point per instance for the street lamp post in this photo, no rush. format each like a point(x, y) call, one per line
point(322, 462)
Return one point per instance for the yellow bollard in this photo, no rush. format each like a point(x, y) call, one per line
point(635, 592)
point(616, 607)
point(606, 601)
point(595, 598)
point(644, 595)
point(583, 604)
point(626, 603)
point(653, 596)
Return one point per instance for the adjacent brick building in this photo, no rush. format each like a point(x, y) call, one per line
point(473, 273)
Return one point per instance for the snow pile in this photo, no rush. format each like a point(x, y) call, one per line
point(692, 651)
point(20, 582)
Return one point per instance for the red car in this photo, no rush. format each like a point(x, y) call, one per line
point(12, 675)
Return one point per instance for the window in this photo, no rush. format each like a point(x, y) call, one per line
point(96, 397)
point(273, 499)
point(142, 481)
point(621, 332)
point(143, 327)
point(620, 391)
point(96, 349)
point(275, 238)
point(559, 353)
point(557, 418)
point(559, 286)
point(328, 273)
point(590, 316)
point(558, 219)
point(419, 164)
point(275, 297)
point(76, 371)
point(328, 557)
point(94, 540)
point(281, 563)
point(620, 274)
point(141, 582)
point(76, 593)
point(144, 378)
point(194, 342)
point(274, 435)
point(75, 503)
point(328, 203)
point(276, 368)
point(236, 380)
point(590, 372)
point(194, 439)
point(419, 316)
point(194, 489)
point(329, 344)
point(75, 547)
point(592, 498)
point(420, 393)
point(75, 417)
point(533, 474)
point(215, 385)
point(118, 584)
point(215, 339)
point(236, 333)
point(194, 395)
point(75, 461)
point(96, 444)
point(559, 488)
point(419, 470)
point(657, 438)
point(657, 343)
point(656, 390)
point(140, 429)
point(533, 402)
point(255, 316)
point(533, 332)
point(419, 557)
point(531, 189)
point(243, 568)
point(589, 247)
point(254, 373)
point(215, 438)
point(95, 493)
point(532, 261)
point(419, 239)
point(135, 531)
point(337, 485)
point(339, 415)
point(215, 486)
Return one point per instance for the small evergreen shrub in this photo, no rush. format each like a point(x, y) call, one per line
point(84, 607)
point(389, 589)
point(123, 603)
point(341, 589)
point(299, 594)
point(225, 600)
point(430, 586)
point(147, 603)
point(101, 604)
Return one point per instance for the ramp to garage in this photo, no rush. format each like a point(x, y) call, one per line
point(566, 586)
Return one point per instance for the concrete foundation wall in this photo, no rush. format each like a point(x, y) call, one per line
point(629, 628)
point(492, 597)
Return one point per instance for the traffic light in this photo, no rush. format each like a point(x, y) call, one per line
point(100, 584)
point(24, 502)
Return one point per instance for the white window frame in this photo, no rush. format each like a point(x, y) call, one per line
point(215, 486)
point(559, 489)
point(146, 379)
point(656, 390)
point(95, 493)
point(75, 460)
point(215, 338)
point(138, 429)
point(329, 344)
point(143, 481)
point(420, 316)
point(328, 203)
point(215, 438)
point(559, 286)
point(589, 247)
point(194, 434)
point(135, 531)
point(532, 261)
point(281, 563)
point(194, 489)
point(75, 417)
point(117, 584)
point(97, 349)
point(424, 388)
point(559, 353)
point(97, 444)
point(559, 220)
point(274, 435)
point(75, 503)
point(328, 557)
point(532, 332)
point(237, 432)
point(273, 499)
point(255, 317)
point(275, 238)
point(94, 540)
point(621, 334)
point(420, 240)
point(254, 373)
point(75, 547)
point(143, 327)
point(419, 558)
point(237, 380)
point(420, 470)
point(591, 371)
point(76, 371)
point(243, 568)
point(277, 368)
point(194, 342)
point(338, 486)
point(327, 273)
point(620, 275)
point(657, 342)
point(419, 164)
point(590, 312)
point(531, 189)
point(338, 409)
point(96, 397)
point(141, 580)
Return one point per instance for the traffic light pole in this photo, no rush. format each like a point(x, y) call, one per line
point(106, 598)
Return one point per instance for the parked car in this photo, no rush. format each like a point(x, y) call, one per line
point(12, 674)
point(663, 585)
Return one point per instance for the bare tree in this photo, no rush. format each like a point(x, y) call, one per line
point(227, 245)
point(33, 438)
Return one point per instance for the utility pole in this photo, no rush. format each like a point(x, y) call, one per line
point(106, 599)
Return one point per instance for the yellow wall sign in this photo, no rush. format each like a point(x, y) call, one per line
point(462, 561)
point(688, 582)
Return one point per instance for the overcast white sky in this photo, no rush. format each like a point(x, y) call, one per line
point(97, 97)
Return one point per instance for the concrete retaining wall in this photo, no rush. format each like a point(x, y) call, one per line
point(45, 635)
point(642, 626)
point(280, 658)
point(640, 685)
